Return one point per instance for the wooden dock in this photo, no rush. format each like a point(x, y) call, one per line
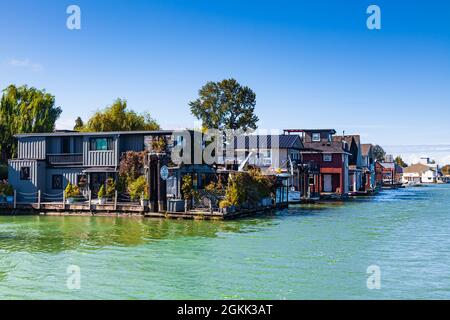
point(125, 209)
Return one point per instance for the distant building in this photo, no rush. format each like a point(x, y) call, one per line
point(426, 171)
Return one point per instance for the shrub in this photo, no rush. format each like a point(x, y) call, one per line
point(101, 192)
point(186, 187)
point(137, 188)
point(110, 187)
point(131, 166)
point(6, 189)
point(71, 191)
point(224, 204)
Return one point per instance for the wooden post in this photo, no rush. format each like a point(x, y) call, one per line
point(64, 201)
point(90, 199)
point(142, 201)
point(115, 201)
point(15, 199)
point(39, 199)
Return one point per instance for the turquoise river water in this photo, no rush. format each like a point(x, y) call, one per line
point(304, 252)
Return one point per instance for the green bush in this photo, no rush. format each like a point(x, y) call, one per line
point(71, 191)
point(101, 192)
point(110, 187)
point(186, 187)
point(6, 189)
point(138, 187)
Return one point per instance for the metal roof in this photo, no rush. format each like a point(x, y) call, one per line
point(75, 133)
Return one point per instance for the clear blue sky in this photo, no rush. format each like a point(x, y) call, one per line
point(311, 63)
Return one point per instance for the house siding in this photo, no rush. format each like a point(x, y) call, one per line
point(69, 175)
point(26, 189)
point(32, 148)
point(103, 158)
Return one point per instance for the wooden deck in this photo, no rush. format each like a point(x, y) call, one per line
point(111, 209)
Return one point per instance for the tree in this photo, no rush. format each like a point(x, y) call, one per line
point(118, 118)
point(225, 105)
point(25, 110)
point(79, 124)
point(378, 153)
point(398, 160)
point(446, 170)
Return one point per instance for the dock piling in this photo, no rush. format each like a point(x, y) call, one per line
point(15, 199)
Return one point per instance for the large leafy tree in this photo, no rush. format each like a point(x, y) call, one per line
point(118, 117)
point(378, 153)
point(446, 169)
point(398, 160)
point(25, 110)
point(79, 124)
point(225, 105)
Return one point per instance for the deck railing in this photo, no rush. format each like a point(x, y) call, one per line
point(65, 158)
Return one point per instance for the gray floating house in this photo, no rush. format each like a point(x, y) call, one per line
point(49, 161)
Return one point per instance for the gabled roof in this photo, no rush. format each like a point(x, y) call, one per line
point(417, 168)
point(365, 149)
point(268, 142)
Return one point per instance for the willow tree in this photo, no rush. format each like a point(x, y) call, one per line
point(118, 117)
point(25, 110)
point(225, 105)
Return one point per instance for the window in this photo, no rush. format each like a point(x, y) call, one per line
point(101, 144)
point(57, 181)
point(327, 157)
point(25, 173)
point(316, 137)
point(65, 145)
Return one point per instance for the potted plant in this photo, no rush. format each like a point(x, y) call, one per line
point(186, 189)
point(101, 195)
point(137, 188)
point(226, 207)
point(145, 197)
point(71, 192)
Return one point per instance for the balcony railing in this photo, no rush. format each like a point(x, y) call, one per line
point(68, 158)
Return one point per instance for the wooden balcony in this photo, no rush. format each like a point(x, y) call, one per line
point(65, 159)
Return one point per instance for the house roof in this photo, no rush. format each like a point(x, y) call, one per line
point(416, 168)
point(329, 147)
point(365, 149)
point(77, 133)
point(282, 141)
point(310, 130)
point(348, 139)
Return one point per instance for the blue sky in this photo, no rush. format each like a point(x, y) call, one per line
point(311, 63)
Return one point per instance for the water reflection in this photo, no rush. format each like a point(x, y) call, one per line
point(53, 234)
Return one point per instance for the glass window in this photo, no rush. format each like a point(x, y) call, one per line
point(327, 157)
point(316, 137)
point(57, 181)
point(101, 144)
point(25, 173)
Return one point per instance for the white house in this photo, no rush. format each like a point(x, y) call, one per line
point(420, 173)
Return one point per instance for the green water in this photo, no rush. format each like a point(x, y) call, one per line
point(306, 252)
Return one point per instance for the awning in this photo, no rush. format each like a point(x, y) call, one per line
point(99, 169)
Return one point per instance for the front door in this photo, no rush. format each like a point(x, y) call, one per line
point(327, 185)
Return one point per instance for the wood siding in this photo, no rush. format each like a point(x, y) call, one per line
point(32, 148)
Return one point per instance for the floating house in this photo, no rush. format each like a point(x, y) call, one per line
point(47, 162)
point(330, 156)
point(369, 175)
point(355, 162)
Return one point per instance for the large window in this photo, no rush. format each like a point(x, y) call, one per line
point(25, 173)
point(101, 144)
point(316, 137)
point(57, 181)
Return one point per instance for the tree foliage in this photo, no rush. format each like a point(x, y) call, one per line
point(398, 160)
point(118, 117)
point(25, 110)
point(79, 124)
point(446, 169)
point(131, 165)
point(378, 153)
point(225, 105)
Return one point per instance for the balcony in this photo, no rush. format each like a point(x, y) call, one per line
point(65, 159)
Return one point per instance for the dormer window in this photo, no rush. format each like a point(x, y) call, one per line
point(316, 137)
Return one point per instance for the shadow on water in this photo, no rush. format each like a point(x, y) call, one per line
point(55, 234)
